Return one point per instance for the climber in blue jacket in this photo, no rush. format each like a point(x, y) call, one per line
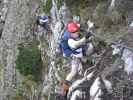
point(73, 45)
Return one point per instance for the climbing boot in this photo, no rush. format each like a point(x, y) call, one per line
point(66, 85)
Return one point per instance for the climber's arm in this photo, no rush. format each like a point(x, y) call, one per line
point(75, 44)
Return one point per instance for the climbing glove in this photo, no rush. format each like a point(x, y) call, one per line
point(89, 34)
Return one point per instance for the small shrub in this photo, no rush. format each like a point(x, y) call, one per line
point(116, 17)
point(100, 16)
point(26, 88)
point(19, 94)
point(47, 7)
point(28, 83)
point(75, 6)
point(101, 8)
point(59, 3)
point(29, 61)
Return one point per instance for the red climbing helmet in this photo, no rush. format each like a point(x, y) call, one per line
point(73, 27)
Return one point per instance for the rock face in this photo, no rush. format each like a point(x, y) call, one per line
point(18, 29)
point(125, 6)
point(3, 12)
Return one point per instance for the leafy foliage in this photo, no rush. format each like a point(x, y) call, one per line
point(82, 3)
point(47, 7)
point(29, 61)
point(26, 88)
point(28, 83)
point(19, 94)
point(59, 3)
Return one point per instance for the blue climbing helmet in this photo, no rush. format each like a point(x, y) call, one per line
point(42, 19)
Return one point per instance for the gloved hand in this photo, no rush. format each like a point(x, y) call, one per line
point(88, 35)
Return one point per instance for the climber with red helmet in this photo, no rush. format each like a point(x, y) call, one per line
point(72, 45)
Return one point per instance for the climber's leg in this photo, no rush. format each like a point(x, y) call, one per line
point(74, 70)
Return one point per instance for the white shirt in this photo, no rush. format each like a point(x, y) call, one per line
point(75, 44)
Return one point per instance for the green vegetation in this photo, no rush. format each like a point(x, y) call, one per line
point(80, 4)
point(29, 61)
point(26, 89)
point(19, 95)
point(77, 3)
point(75, 6)
point(47, 7)
point(29, 84)
point(59, 3)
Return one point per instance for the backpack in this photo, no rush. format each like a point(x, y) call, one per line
point(65, 47)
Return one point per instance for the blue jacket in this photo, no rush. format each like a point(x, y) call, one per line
point(65, 47)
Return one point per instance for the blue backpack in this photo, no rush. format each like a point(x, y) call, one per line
point(65, 47)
